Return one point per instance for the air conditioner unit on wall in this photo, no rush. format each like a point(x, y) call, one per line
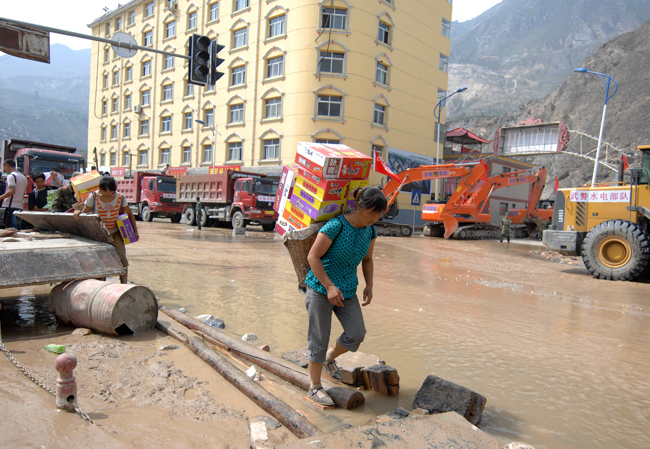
point(137, 109)
point(171, 6)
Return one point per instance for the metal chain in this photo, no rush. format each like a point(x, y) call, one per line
point(33, 378)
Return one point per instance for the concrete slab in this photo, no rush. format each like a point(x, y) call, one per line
point(89, 226)
point(443, 431)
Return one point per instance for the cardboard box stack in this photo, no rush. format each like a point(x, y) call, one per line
point(322, 186)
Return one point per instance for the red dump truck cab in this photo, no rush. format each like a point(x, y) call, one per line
point(151, 195)
point(232, 196)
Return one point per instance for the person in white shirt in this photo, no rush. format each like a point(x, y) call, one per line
point(12, 199)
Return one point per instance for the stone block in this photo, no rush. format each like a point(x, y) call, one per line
point(438, 395)
point(382, 379)
point(298, 357)
point(352, 365)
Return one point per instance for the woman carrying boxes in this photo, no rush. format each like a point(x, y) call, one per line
point(343, 243)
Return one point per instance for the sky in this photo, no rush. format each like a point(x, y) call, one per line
point(75, 15)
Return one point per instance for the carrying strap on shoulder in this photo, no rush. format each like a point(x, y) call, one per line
point(341, 230)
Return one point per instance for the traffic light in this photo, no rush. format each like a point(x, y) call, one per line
point(215, 61)
point(199, 53)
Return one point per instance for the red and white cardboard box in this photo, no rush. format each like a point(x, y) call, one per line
point(322, 188)
point(333, 161)
point(282, 226)
point(285, 187)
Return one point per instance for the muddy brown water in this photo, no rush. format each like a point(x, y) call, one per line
point(561, 357)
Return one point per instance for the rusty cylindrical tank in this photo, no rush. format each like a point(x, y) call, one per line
point(111, 309)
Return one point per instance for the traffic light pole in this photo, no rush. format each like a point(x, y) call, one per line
point(125, 45)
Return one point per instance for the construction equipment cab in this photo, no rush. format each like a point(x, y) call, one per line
point(606, 224)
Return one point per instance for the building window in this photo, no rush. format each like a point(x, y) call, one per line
point(275, 67)
point(148, 9)
point(503, 209)
point(127, 129)
point(128, 73)
point(143, 157)
point(187, 120)
point(147, 40)
point(379, 116)
point(146, 68)
point(102, 136)
point(209, 88)
point(383, 35)
point(115, 105)
point(127, 101)
point(113, 159)
point(207, 153)
point(191, 20)
point(381, 73)
point(446, 28)
point(168, 62)
point(144, 97)
point(116, 78)
point(335, 18)
point(144, 127)
point(118, 24)
point(170, 29)
point(240, 38)
point(331, 62)
point(126, 159)
point(107, 54)
point(168, 92)
point(208, 117)
point(166, 124)
point(238, 75)
point(236, 113)
point(444, 63)
point(241, 4)
point(102, 159)
point(271, 149)
point(113, 132)
point(273, 108)
point(189, 89)
point(329, 106)
point(328, 141)
point(506, 169)
point(132, 17)
point(104, 107)
point(108, 28)
point(187, 155)
point(234, 151)
point(277, 26)
point(214, 11)
point(105, 81)
point(165, 155)
point(441, 95)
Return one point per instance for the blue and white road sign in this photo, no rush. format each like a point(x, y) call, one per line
point(416, 195)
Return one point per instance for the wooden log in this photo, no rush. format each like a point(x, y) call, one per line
point(343, 397)
point(277, 408)
point(383, 379)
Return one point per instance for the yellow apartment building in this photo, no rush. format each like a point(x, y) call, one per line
point(366, 73)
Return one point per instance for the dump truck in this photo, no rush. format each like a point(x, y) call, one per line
point(151, 195)
point(231, 197)
point(606, 224)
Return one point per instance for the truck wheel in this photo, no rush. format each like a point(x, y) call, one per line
point(406, 231)
point(176, 218)
point(616, 250)
point(146, 214)
point(268, 227)
point(188, 214)
point(238, 220)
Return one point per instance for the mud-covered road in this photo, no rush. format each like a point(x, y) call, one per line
point(561, 357)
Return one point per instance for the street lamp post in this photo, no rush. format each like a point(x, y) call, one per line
point(214, 139)
point(439, 106)
point(607, 80)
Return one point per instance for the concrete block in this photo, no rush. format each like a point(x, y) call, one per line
point(352, 365)
point(438, 395)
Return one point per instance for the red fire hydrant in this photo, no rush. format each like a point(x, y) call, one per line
point(66, 384)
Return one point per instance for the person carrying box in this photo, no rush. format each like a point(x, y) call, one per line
point(108, 204)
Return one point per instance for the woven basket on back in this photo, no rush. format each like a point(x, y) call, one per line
point(299, 243)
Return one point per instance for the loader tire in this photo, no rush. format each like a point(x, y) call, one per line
point(189, 216)
point(616, 250)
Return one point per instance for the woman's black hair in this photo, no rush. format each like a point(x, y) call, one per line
point(371, 198)
point(107, 183)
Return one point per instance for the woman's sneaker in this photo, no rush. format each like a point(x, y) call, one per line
point(333, 370)
point(319, 396)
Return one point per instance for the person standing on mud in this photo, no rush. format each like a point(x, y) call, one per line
point(197, 212)
point(343, 243)
point(505, 228)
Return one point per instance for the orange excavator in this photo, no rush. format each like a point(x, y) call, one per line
point(470, 175)
point(539, 214)
point(466, 215)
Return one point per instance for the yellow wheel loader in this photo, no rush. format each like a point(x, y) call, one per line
point(607, 224)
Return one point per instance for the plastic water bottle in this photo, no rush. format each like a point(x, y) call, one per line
point(59, 349)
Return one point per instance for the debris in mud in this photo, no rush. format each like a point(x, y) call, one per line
point(270, 422)
point(82, 331)
point(557, 257)
point(167, 347)
point(249, 337)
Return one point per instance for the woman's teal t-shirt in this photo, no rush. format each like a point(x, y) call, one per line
point(350, 245)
